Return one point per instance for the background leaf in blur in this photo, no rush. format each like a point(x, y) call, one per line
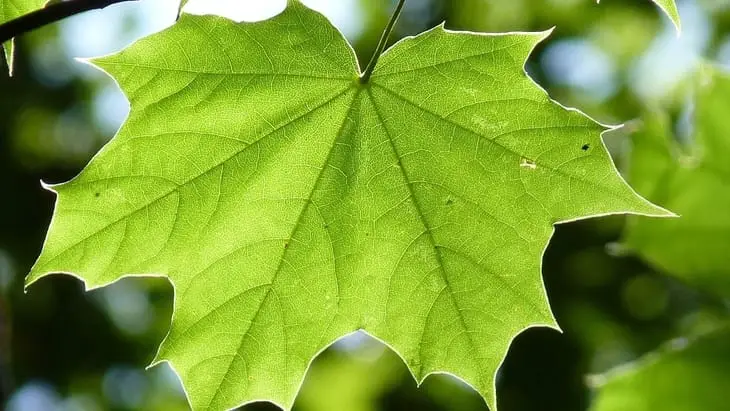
point(692, 178)
point(353, 380)
point(689, 374)
point(670, 8)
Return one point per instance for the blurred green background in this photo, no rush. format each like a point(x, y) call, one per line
point(62, 349)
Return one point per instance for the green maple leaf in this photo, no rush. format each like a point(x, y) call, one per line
point(693, 182)
point(289, 204)
point(688, 375)
point(9, 10)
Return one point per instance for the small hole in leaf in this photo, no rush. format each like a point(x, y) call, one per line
point(286, 245)
point(585, 147)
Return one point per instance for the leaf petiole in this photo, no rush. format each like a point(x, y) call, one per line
point(365, 77)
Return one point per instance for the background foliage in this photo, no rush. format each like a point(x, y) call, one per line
point(63, 349)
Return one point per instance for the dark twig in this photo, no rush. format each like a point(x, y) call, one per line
point(50, 14)
point(365, 77)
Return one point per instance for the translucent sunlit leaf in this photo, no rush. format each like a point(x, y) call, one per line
point(289, 204)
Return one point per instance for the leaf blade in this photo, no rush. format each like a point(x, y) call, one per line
point(290, 205)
